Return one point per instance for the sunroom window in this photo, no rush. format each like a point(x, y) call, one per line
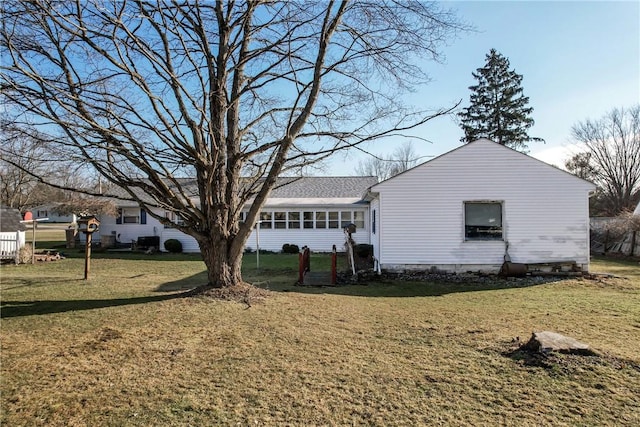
point(334, 222)
point(307, 219)
point(358, 219)
point(265, 219)
point(280, 219)
point(321, 220)
point(294, 219)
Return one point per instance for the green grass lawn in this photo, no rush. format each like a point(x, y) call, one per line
point(122, 349)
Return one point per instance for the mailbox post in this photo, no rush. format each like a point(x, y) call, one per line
point(88, 225)
point(349, 229)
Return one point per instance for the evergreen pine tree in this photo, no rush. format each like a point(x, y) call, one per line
point(498, 109)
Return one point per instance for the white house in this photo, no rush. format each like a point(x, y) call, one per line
point(459, 211)
point(303, 211)
point(49, 212)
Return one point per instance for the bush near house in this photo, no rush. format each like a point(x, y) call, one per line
point(288, 248)
point(173, 245)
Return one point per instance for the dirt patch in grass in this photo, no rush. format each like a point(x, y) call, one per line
point(245, 293)
point(559, 363)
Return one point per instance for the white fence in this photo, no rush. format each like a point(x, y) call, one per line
point(10, 244)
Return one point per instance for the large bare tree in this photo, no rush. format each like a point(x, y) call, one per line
point(233, 94)
point(610, 157)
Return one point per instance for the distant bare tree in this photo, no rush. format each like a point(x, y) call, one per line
point(231, 93)
point(403, 158)
point(27, 163)
point(610, 158)
point(16, 185)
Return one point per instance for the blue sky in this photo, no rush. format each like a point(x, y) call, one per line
point(579, 59)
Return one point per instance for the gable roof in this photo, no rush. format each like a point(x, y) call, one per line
point(10, 220)
point(495, 146)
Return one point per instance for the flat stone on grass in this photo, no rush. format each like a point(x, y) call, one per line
point(547, 341)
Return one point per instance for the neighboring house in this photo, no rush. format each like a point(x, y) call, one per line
point(457, 212)
point(12, 233)
point(307, 211)
point(49, 212)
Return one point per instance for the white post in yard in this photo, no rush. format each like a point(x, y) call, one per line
point(17, 258)
point(34, 224)
point(258, 245)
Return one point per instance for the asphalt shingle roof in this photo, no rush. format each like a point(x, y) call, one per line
point(323, 187)
point(10, 220)
point(317, 187)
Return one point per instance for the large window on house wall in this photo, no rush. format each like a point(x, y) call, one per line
point(483, 221)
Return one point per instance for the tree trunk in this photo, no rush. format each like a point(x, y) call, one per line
point(223, 265)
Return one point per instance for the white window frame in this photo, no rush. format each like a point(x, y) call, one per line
point(134, 211)
point(291, 221)
point(333, 219)
point(266, 223)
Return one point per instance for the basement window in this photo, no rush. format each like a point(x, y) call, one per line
point(483, 221)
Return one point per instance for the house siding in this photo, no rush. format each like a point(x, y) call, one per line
point(319, 240)
point(375, 232)
point(545, 211)
point(127, 233)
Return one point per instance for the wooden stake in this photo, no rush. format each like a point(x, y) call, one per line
point(87, 257)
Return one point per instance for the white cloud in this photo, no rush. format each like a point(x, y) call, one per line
point(555, 155)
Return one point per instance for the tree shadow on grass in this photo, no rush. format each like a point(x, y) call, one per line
point(184, 284)
point(37, 282)
point(285, 281)
point(39, 307)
